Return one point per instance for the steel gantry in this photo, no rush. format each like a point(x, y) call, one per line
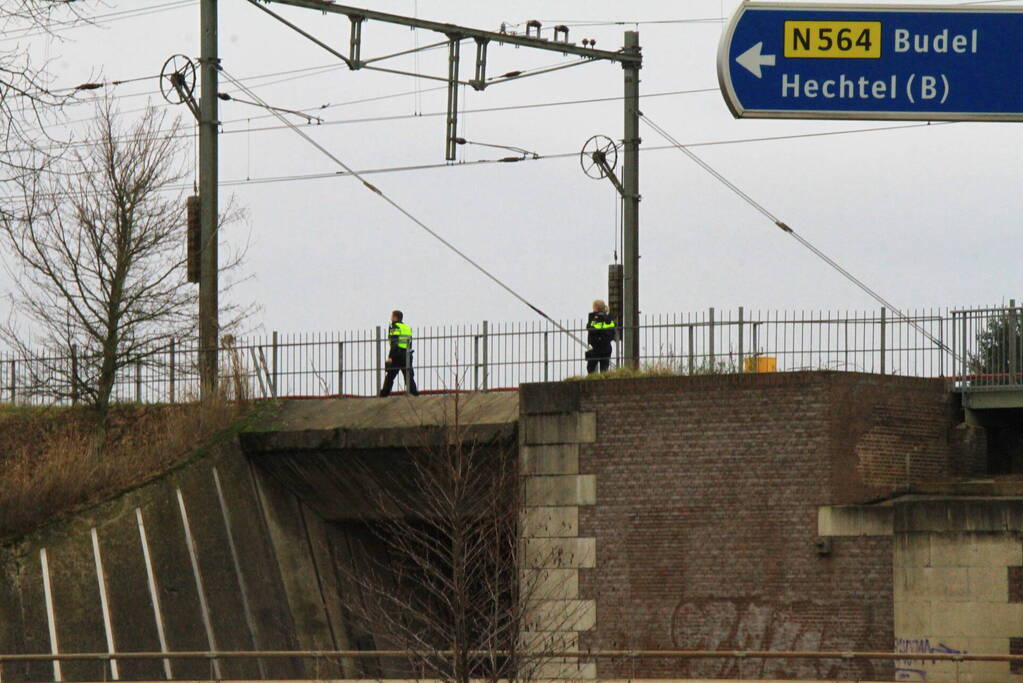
point(628, 56)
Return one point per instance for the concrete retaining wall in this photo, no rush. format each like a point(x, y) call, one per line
point(236, 550)
point(956, 565)
point(554, 551)
point(203, 558)
point(958, 577)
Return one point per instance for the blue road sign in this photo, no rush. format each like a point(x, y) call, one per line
point(788, 60)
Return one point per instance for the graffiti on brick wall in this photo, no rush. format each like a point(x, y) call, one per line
point(747, 624)
point(911, 669)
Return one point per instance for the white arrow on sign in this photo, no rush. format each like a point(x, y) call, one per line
point(752, 60)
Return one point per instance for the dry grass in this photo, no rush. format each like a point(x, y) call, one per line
point(54, 460)
point(665, 368)
point(626, 372)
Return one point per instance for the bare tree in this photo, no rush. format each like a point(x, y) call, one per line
point(27, 100)
point(99, 257)
point(441, 571)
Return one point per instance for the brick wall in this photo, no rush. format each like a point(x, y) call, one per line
point(706, 514)
point(888, 433)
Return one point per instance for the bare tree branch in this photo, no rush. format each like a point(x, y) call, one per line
point(99, 257)
point(28, 102)
point(441, 565)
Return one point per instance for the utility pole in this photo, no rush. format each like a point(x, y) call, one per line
point(209, 64)
point(630, 182)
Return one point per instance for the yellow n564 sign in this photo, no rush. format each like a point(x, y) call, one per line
point(833, 39)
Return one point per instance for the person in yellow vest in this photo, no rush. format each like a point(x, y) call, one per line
point(399, 358)
point(600, 333)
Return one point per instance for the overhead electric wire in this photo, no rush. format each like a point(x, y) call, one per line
point(308, 117)
point(177, 187)
point(375, 98)
point(560, 155)
point(293, 75)
point(90, 85)
point(304, 72)
point(588, 23)
point(534, 105)
point(540, 157)
point(319, 70)
point(70, 24)
point(761, 209)
point(335, 105)
point(642, 22)
point(524, 72)
point(311, 71)
point(373, 188)
point(396, 117)
point(400, 117)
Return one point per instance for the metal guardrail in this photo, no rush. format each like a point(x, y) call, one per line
point(992, 337)
point(977, 349)
point(553, 654)
point(334, 656)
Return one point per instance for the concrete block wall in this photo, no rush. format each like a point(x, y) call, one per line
point(958, 566)
point(554, 552)
point(202, 558)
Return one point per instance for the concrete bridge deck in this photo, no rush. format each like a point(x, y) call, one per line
point(393, 422)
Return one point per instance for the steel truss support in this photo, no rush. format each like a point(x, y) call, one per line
point(454, 55)
point(479, 82)
point(355, 43)
point(179, 86)
point(601, 160)
point(464, 31)
point(455, 34)
point(305, 34)
point(421, 48)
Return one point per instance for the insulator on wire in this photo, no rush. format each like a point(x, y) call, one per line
point(194, 239)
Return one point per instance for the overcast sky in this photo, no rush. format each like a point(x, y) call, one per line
point(928, 215)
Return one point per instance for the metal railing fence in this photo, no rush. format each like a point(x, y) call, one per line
point(992, 338)
point(977, 349)
point(902, 662)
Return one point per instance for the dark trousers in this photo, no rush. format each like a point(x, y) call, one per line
point(399, 362)
point(599, 356)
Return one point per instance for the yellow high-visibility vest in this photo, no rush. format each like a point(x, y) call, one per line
point(401, 334)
